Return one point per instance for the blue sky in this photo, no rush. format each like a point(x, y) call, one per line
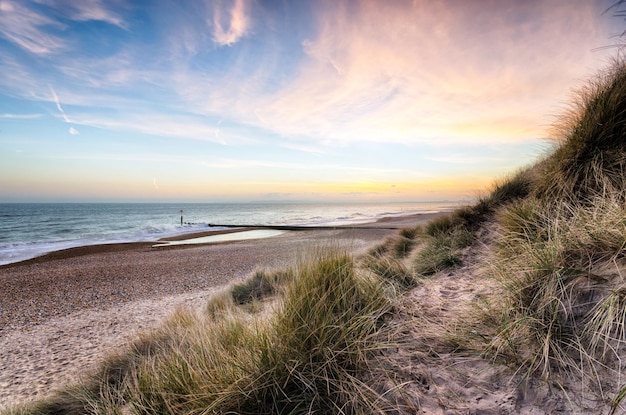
point(243, 100)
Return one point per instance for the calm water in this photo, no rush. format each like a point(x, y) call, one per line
point(29, 230)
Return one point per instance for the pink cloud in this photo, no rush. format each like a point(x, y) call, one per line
point(230, 25)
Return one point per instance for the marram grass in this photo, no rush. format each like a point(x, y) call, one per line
point(392, 270)
point(443, 251)
point(306, 358)
point(308, 354)
point(562, 268)
point(591, 158)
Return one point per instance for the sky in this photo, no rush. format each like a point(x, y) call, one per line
point(269, 100)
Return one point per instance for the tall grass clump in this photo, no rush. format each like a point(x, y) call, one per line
point(400, 245)
point(260, 285)
point(391, 270)
point(254, 288)
point(442, 252)
point(562, 269)
point(307, 358)
point(307, 354)
point(403, 246)
point(561, 251)
point(327, 326)
point(591, 159)
point(410, 233)
point(387, 259)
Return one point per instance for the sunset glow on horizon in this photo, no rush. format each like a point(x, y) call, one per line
point(244, 100)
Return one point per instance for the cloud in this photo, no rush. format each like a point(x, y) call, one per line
point(241, 164)
point(20, 116)
point(55, 98)
point(89, 10)
point(370, 71)
point(29, 29)
point(230, 25)
point(26, 26)
point(463, 159)
point(189, 126)
point(411, 72)
point(360, 172)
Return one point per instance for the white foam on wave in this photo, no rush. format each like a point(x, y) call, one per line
point(22, 251)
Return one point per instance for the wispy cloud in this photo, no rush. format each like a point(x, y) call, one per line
point(409, 72)
point(89, 10)
point(26, 25)
point(311, 167)
point(189, 126)
point(372, 71)
point(55, 98)
point(457, 159)
point(29, 29)
point(230, 24)
point(20, 116)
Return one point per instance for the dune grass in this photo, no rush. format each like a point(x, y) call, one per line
point(260, 285)
point(442, 252)
point(470, 218)
point(560, 252)
point(554, 236)
point(308, 353)
point(592, 158)
point(392, 270)
point(562, 317)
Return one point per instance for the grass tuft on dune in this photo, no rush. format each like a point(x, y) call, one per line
point(305, 351)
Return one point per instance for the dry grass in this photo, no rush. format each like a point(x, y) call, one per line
point(591, 159)
point(562, 267)
point(392, 270)
point(307, 353)
point(561, 253)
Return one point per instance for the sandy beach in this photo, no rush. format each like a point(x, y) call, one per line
point(62, 312)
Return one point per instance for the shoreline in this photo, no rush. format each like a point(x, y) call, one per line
point(76, 226)
point(397, 222)
point(61, 313)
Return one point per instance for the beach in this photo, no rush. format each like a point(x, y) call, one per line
point(61, 313)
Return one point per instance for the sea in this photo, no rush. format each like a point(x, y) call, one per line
point(28, 230)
